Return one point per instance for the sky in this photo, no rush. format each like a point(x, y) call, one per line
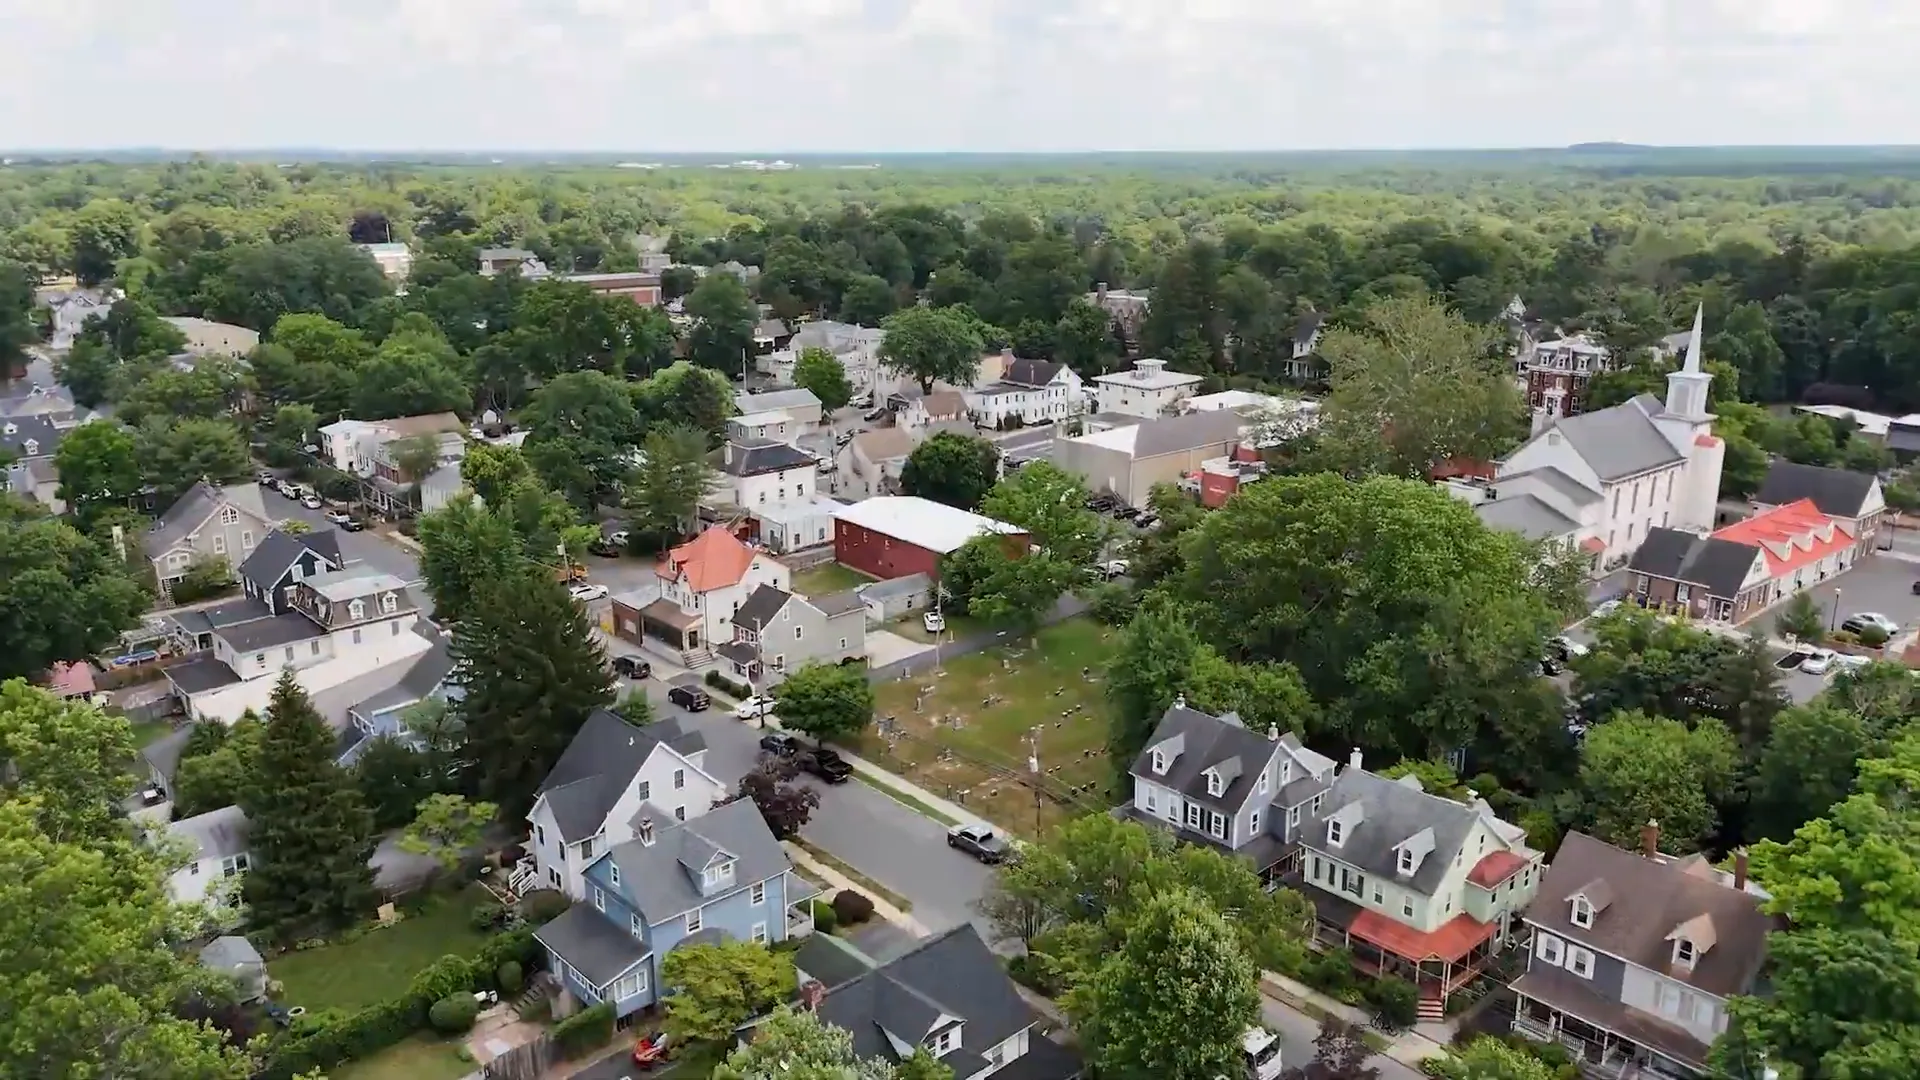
point(709, 76)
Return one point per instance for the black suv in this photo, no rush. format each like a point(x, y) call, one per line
point(628, 667)
point(690, 698)
point(826, 765)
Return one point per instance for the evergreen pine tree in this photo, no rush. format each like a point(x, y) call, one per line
point(530, 673)
point(311, 832)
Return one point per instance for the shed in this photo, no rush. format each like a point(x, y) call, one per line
point(891, 599)
point(235, 956)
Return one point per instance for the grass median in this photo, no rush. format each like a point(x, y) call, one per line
point(839, 865)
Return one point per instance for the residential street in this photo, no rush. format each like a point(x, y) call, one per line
point(1297, 1031)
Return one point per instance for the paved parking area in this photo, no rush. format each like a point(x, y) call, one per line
point(1877, 583)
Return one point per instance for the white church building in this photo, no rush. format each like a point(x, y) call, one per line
point(1602, 479)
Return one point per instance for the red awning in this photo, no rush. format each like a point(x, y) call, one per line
point(1455, 939)
point(1496, 868)
point(1593, 544)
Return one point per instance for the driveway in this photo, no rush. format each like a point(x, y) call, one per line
point(1296, 1031)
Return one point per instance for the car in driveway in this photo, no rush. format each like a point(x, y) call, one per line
point(586, 594)
point(980, 842)
point(827, 765)
point(690, 698)
point(631, 667)
point(934, 622)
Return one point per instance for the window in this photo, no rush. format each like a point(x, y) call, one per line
point(389, 603)
point(1336, 832)
point(1151, 800)
point(643, 791)
point(1253, 823)
point(1580, 961)
point(599, 899)
point(539, 835)
point(679, 779)
point(177, 559)
point(798, 631)
point(553, 875)
point(1218, 825)
point(1682, 593)
point(1293, 817)
point(586, 848)
point(289, 654)
point(229, 516)
point(1193, 816)
point(233, 864)
point(1159, 763)
point(357, 610)
point(613, 874)
point(1667, 997)
point(1683, 952)
point(1260, 785)
point(1379, 894)
point(291, 591)
point(1582, 913)
point(679, 813)
point(219, 545)
point(259, 658)
point(356, 635)
point(1550, 949)
point(693, 921)
point(1406, 907)
point(1214, 787)
point(759, 933)
point(634, 924)
point(758, 894)
point(1314, 806)
point(246, 539)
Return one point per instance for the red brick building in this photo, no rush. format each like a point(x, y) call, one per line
point(641, 288)
point(891, 536)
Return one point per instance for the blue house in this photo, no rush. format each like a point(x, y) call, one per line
point(381, 714)
point(720, 876)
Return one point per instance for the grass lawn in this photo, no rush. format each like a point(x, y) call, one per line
point(826, 579)
point(378, 965)
point(418, 1058)
point(147, 731)
point(985, 746)
point(959, 627)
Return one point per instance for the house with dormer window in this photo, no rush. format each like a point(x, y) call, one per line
point(208, 522)
point(1211, 781)
point(719, 876)
point(1635, 956)
point(612, 777)
point(1416, 885)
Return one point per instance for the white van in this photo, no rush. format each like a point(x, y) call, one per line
point(1261, 1050)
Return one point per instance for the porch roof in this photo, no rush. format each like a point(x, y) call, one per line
point(1454, 939)
point(1570, 994)
point(666, 611)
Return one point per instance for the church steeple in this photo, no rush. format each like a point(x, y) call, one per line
point(1687, 388)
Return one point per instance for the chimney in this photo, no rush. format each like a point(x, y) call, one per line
point(1650, 838)
point(1180, 701)
point(1273, 733)
point(812, 993)
point(1353, 760)
point(1100, 293)
point(1740, 869)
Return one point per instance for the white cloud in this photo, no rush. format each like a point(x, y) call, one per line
point(953, 74)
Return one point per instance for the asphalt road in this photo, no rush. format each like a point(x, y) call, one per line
point(1297, 1031)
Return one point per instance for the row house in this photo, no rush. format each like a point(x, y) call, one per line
point(1027, 391)
point(1737, 572)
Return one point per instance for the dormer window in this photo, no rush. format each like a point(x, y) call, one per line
point(1407, 861)
point(1684, 953)
point(645, 832)
point(389, 604)
point(357, 610)
point(1582, 913)
point(717, 875)
point(1336, 832)
point(1214, 786)
point(944, 1041)
point(229, 516)
point(32, 447)
point(1159, 763)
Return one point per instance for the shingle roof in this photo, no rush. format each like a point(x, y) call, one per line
point(760, 608)
point(1620, 441)
point(1028, 372)
point(658, 879)
point(1392, 812)
point(271, 633)
point(1572, 490)
point(192, 509)
point(739, 652)
point(1526, 515)
point(839, 603)
point(1839, 492)
point(199, 675)
point(215, 834)
point(597, 765)
point(1650, 899)
point(1720, 565)
point(760, 456)
point(954, 974)
point(892, 587)
point(587, 939)
point(429, 670)
point(773, 400)
point(280, 550)
point(1203, 742)
point(39, 429)
point(831, 960)
point(884, 444)
point(714, 559)
point(1307, 326)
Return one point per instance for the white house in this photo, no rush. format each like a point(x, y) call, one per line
point(70, 310)
point(856, 347)
point(761, 472)
point(216, 843)
point(1149, 390)
point(800, 403)
point(1618, 472)
point(702, 583)
point(611, 776)
point(1027, 391)
point(774, 424)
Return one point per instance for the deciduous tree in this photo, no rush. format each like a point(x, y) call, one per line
point(446, 827)
point(798, 1045)
point(826, 701)
point(931, 345)
point(62, 595)
point(1487, 1058)
point(99, 465)
point(1010, 589)
point(1637, 768)
point(724, 319)
point(716, 988)
point(784, 804)
point(663, 492)
point(951, 468)
point(68, 758)
point(1051, 505)
point(822, 372)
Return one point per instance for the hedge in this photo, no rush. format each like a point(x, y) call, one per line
point(588, 1029)
point(851, 908)
point(454, 1014)
point(318, 1041)
point(734, 689)
point(824, 920)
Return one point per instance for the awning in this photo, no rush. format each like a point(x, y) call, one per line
point(1455, 939)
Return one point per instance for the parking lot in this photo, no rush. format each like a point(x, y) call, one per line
point(1879, 583)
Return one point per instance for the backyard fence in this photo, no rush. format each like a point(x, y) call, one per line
point(524, 1062)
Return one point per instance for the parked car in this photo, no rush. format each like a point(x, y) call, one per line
point(843, 438)
point(1916, 588)
point(586, 594)
point(781, 743)
point(266, 479)
point(1818, 661)
point(934, 622)
point(631, 667)
point(339, 517)
point(980, 842)
point(1862, 619)
point(690, 698)
point(1551, 665)
point(1114, 568)
point(353, 524)
point(1146, 520)
point(1102, 502)
point(606, 548)
point(1850, 661)
point(754, 708)
point(1566, 648)
point(826, 765)
point(1605, 609)
point(1126, 513)
point(1792, 661)
point(311, 502)
point(874, 416)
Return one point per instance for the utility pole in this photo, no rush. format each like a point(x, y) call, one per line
point(759, 658)
point(1033, 768)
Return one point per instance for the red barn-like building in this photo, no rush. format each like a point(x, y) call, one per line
point(893, 536)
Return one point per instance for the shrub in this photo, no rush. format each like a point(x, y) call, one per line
point(206, 578)
point(728, 686)
point(509, 977)
point(1112, 603)
point(544, 905)
point(588, 1029)
point(453, 1014)
point(851, 908)
point(824, 920)
point(488, 916)
point(1844, 637)
point(1872, 636)
point(1396, 1003)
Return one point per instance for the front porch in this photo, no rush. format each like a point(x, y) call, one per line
point(1439, 963)
point(800, 895)
point(1609, 1043)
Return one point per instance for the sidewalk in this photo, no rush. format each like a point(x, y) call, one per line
point(834, 881)
point(1409, 1048)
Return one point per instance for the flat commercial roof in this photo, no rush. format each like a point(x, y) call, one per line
point(921, 522)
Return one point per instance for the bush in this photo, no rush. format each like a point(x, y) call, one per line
point(488, 916)
point(851, 908)
point(1112, 603)
point(206, 578)
point(453, 1014)
point(588, 1029)
point(509, 977)
point(1872, 636)
point(824, 920)
point(544, 905)
point(727, 686)
point(1396, 1003)
point(1844, 637)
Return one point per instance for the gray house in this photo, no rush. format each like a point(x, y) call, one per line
point(283, 560)
point(1635, 956)
point(28, 444)
point(894, 597)
point(776, 631)
point(207, 522)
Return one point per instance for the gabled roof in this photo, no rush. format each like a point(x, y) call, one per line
point(1720, 565)
point(33, 435)
point(1526, 515)
point(271, 633)
point(757, 457)
point(1839, 492)
point(1791, 536)
point(944, 403)
point(923, 523)
point(1620, 441)
point(280, 550)
point(954, 974)
point(1170, 435)
point(840, 603)
point(1205, 742)
point(660, 878)
point(429, 670)
point(1307, 326)
point(191, 510)
point(1390, 813)
point(773, 400)
point(583, 786)
point(760, 607)
point(713, 560)
point(1029, 372)
point(216, 834)
point(883, 444)
point(599, 950)
point(1649, 899)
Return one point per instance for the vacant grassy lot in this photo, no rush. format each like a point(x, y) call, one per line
point(418, 1058)
point(827, 579)
point(378, 965)
point(966, 735)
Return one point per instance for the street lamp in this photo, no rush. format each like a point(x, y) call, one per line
point(1833, 618)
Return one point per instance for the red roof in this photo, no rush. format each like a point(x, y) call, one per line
point(1594, 544)
point(1455, 938)
point(1791, 536)
point(71, 680)
point(713, 560)
point(1495, 868)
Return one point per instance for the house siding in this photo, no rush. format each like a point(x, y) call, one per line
point(1701, 1015)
